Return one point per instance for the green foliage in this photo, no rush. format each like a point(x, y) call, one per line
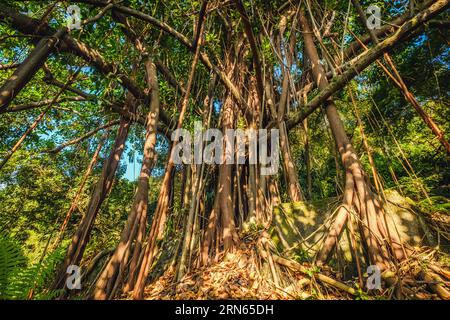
point(33, 281)
point(302, 255)
point(360, 294)
point(19, 280)
point(312, 271)
point(435, 204)
point(36, 189)
point(11, 260)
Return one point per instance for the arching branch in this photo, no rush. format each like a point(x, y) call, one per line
point(9, 66)
point(366, 59)
point(83, 137)
point(31, 26)
point(37, 104)
point(28, 68)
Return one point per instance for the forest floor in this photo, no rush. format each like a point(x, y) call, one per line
point(244, 274)
point(236, 276)
point(240, 276)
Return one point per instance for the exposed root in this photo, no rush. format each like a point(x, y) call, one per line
point(245, 274)
point(235, 276)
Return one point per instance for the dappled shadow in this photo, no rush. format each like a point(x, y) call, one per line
point(299, 227)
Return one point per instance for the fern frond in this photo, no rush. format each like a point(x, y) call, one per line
point(11, 261)
point(34, 278)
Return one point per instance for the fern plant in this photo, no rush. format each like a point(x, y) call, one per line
point(19, 281)
point(33, 281)
point(11, 260)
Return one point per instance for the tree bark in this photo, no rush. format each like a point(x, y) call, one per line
point(160, 215)
point(115, 268)
point(28, 68)
point(101, 191)
point(374, 231)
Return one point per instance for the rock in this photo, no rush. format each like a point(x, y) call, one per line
point(300, 226)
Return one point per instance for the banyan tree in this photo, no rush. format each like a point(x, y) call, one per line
point(326, 92)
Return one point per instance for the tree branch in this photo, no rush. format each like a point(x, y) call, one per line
point(27, 69)
point(31, 26)
point(367, 59)
point(183, 39)
point(33, 105)
point(83, 137)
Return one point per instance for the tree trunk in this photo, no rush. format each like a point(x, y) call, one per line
point(230, 236)
point(290, 173)
point(374, 230)
point(160, 215)
point(101, 191)
point(116, 266)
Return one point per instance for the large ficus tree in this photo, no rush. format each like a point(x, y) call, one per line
point(133, 72)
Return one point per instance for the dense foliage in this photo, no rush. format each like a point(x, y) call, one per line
point(37, 186)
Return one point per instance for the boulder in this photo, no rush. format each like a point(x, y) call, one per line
point(298, 228)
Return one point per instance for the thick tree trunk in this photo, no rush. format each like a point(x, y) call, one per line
point(374, 230)
point(114, 271)
point(230, 237)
